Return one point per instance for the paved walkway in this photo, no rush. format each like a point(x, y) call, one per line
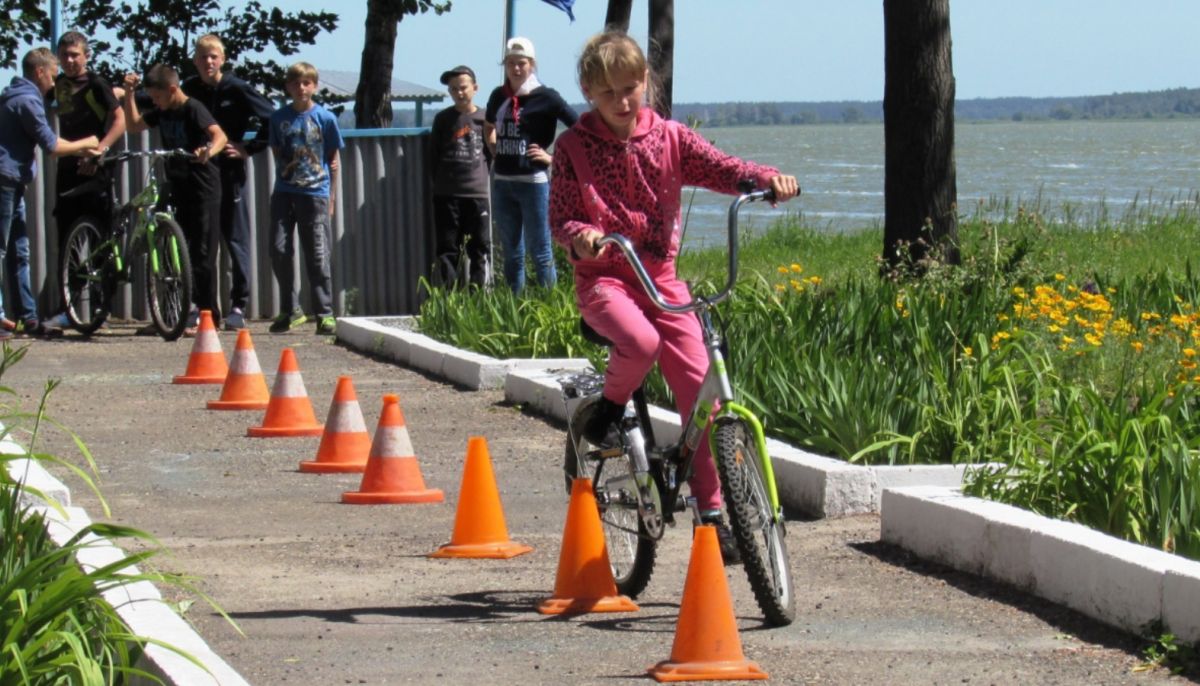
point(329, 593)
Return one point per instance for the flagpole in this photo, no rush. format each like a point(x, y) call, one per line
point(510, 19)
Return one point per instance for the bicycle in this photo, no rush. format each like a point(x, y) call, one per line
point(633, 479)
point(97, 256)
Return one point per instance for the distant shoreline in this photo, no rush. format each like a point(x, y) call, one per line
point(1175, 103)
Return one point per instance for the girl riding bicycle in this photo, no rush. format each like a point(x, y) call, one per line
point(621, 169)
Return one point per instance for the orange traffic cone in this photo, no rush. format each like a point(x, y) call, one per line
point(288, 412)
point(345, 445)
point(245, 387)
point(479, 529)
point(707, 646)
point(207, 363)
point(392, 474)
point(585, 581)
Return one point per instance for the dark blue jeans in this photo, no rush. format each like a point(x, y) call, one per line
point(308, 215)
point(521, 211)
point(14, 250)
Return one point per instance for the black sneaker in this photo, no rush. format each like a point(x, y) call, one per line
point(235, 320)
point(730, 554)
point(598, 429)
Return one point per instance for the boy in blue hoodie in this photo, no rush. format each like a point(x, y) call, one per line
point(23, 126)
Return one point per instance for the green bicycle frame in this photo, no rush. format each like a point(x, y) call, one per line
point(714, 388)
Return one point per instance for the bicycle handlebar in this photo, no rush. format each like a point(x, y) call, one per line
point(126, 155)
point(748, 195)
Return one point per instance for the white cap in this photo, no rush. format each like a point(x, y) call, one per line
point(519, 47)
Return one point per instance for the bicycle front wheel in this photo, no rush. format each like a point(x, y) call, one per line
point(631, 549)
point(168, 279)
point(760, 537)
point(86, 275)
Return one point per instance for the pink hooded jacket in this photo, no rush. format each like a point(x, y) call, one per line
point(634, 187)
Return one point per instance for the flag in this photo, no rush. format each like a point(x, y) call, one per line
point(564, 5)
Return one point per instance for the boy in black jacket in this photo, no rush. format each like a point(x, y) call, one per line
point(239, 110)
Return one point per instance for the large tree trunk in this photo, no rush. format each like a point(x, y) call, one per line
point(662, 52)
point(373, 99)
point(618, 15)
point(919, 186)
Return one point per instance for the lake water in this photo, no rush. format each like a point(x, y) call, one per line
point(1085, 165)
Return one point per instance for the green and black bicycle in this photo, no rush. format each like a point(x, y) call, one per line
point(98, 255)
point(637, 482)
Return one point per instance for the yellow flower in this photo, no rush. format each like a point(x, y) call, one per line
point(1067, 340)
point(1092, 339)
point(968, 351)
point(814, 280)
point(1189, 352)
point(780, 287)
point(1137, 345)
point(1060, 277)
point(1187, 364)
point(783, 270)
point(797, 268)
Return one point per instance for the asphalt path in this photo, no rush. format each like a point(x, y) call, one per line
point(327, 593)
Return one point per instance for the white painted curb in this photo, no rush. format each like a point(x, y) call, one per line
point(139, 604)
point(1122, 584)
point(815, 485)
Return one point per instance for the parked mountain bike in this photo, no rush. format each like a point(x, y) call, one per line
point(637, 482)
point(98, 255)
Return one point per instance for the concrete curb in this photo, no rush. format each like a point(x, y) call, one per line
point(815, 485)
point(1122, 584)
point(139, 604)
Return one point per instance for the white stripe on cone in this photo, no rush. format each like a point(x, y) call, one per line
point(392, 441)
point(288, 385)
point(207, 342)
point(345, 417)
point(245, 362)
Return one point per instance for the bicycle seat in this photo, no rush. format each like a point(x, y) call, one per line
point(90, 187)
point(590, 334)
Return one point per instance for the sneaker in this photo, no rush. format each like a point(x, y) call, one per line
point(147, 330)
point(188, 331)
point(326, 326)
point(730, 554)
point(36, 329)
point(59, 321)
point(599, 429)
point(235, 320)
point(286, 322)
point(193, 318)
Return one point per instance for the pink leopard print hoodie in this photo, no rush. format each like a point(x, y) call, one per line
point(634, 187)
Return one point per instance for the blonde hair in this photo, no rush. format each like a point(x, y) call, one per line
point(302, 70)
point(210, 41)
point(610, 54)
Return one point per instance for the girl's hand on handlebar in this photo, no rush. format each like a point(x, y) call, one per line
point(785, 187)
point(584, 244)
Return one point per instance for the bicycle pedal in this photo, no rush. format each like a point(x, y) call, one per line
point(606, 453)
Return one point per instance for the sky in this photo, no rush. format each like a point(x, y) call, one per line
point(803, 50)
point(807, 50)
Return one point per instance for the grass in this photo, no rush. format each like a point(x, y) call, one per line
point(1064, 347)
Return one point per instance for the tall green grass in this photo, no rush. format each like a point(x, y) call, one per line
point(1085, 401)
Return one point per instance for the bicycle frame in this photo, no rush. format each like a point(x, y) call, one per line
point(142, 213)
point(716, 388)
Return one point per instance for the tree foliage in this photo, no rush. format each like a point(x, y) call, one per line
point(165, 31)
point(22, 22)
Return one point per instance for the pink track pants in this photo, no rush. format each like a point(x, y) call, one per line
point(612, 301)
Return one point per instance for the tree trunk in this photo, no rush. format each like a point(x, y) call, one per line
point(662, 52)
point(618, 15)
point(373, 98)
point(919, 186)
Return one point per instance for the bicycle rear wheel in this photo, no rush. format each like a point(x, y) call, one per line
point(86, 275)
point(168, 279)
point(760, 536)
point(631, 549)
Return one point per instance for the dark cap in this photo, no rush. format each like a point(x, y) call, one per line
point(457, 71)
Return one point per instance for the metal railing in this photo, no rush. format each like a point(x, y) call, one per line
point(382, 227)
